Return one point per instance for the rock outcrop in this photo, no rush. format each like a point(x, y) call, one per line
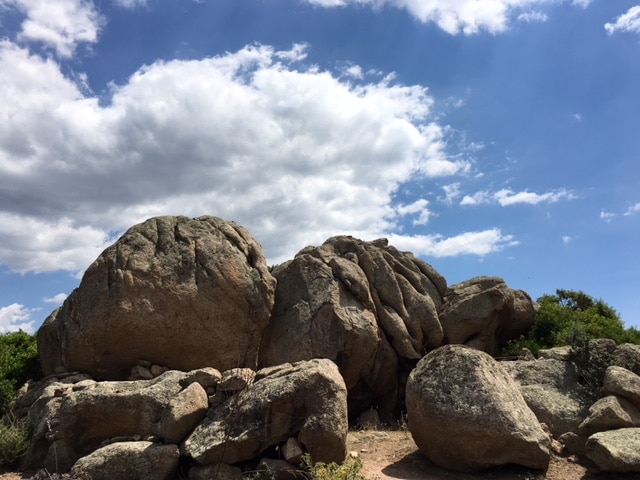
point(129, 460)
point(168, 286)
point(307, 400)
point(552, 390)
point(485, 313)
point(465, 413)
point(615, 450)
point(376, 311)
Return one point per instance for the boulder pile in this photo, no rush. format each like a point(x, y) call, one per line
point(182, 355)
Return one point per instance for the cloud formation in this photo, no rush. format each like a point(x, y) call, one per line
point(294, 153)
point(463, 16)
point(507, 197)
point(627, 22)
point(15, 317)
point(59, 24)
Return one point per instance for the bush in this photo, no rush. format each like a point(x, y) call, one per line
point(569, 313)
point(14, 439)
point(591, 363)
point(18, 363)
point(349, 470)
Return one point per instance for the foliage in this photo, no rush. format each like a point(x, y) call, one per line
point(568, 315)
point(14, 439)
point(592, 363)
point(349, 470)
point(18, 363)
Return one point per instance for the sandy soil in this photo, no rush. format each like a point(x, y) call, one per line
point(392, 455)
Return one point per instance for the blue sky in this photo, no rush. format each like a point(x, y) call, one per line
point(491, 138)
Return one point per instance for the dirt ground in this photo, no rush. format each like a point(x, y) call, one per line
point(392, 455)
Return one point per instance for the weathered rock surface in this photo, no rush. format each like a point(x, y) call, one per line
point(72, 420)
point(610, 413)
point(307, 400)
point(466, 413)
point(129, 461)
point(364, 305)
point(552, 391)
point(627, 356)
point(623, 383)
point(484, 313)
point(168, 286)
point(615, 450)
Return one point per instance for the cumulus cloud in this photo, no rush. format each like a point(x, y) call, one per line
point(632, 210)
point(606, 216)
point(469, 243)
point(466, 16)
point(507, 197)
point(59, 24)
point(293, 154)
point(533, 16)
point(56, 299)
point(15, 317)
point(627, 22)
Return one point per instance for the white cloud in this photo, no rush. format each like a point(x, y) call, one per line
point(606, 216)
point(466, 16)
point(566, 239)
point(59, 24)
point(56, 299)
point(627, 22)
point(15, 317)
point(578, 117)
point(469, 243)
point(533, 16)
point(295, 155)
point(452, 192)
point(131, 3)
point(476, 199)
point(632, 210)
point(507, 197)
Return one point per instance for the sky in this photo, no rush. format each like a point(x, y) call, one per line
point(499, 137)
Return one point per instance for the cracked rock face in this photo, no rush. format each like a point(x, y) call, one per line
point(368, 307)
point(181, 292)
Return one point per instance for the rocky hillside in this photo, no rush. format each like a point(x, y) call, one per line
point(181, 353)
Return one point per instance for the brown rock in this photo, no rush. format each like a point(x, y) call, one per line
point(168, 286)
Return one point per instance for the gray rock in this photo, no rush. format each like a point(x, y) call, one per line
point(236, 379)
point(610, 413)
point(466, 413)
point(627, 356)
point(555, 353)
point(484, 313)
point(183, 413)
point(215, 471)
point(366, 306)
point(615, 450)
point(168, 286)
point(129, 461)
point(307, 400)
point(70, 423)
point(552, 390)
point(623, 383)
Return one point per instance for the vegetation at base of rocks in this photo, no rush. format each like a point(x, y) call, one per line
point(349, 470)
point(14, 439)
point(18, 363)
point(570, 315)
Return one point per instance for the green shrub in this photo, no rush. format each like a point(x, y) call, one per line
point(14, 439)
point(349, 470)
point(562, 315)
point(18, 363)
point(591, 363)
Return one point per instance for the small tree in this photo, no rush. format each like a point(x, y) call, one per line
point(18, 363)
point(568, 315)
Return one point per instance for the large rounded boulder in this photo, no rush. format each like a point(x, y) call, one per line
point(180, 292)
point(364, 305)
point(465, 413)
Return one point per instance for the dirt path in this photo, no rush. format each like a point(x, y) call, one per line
point(392, 455)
